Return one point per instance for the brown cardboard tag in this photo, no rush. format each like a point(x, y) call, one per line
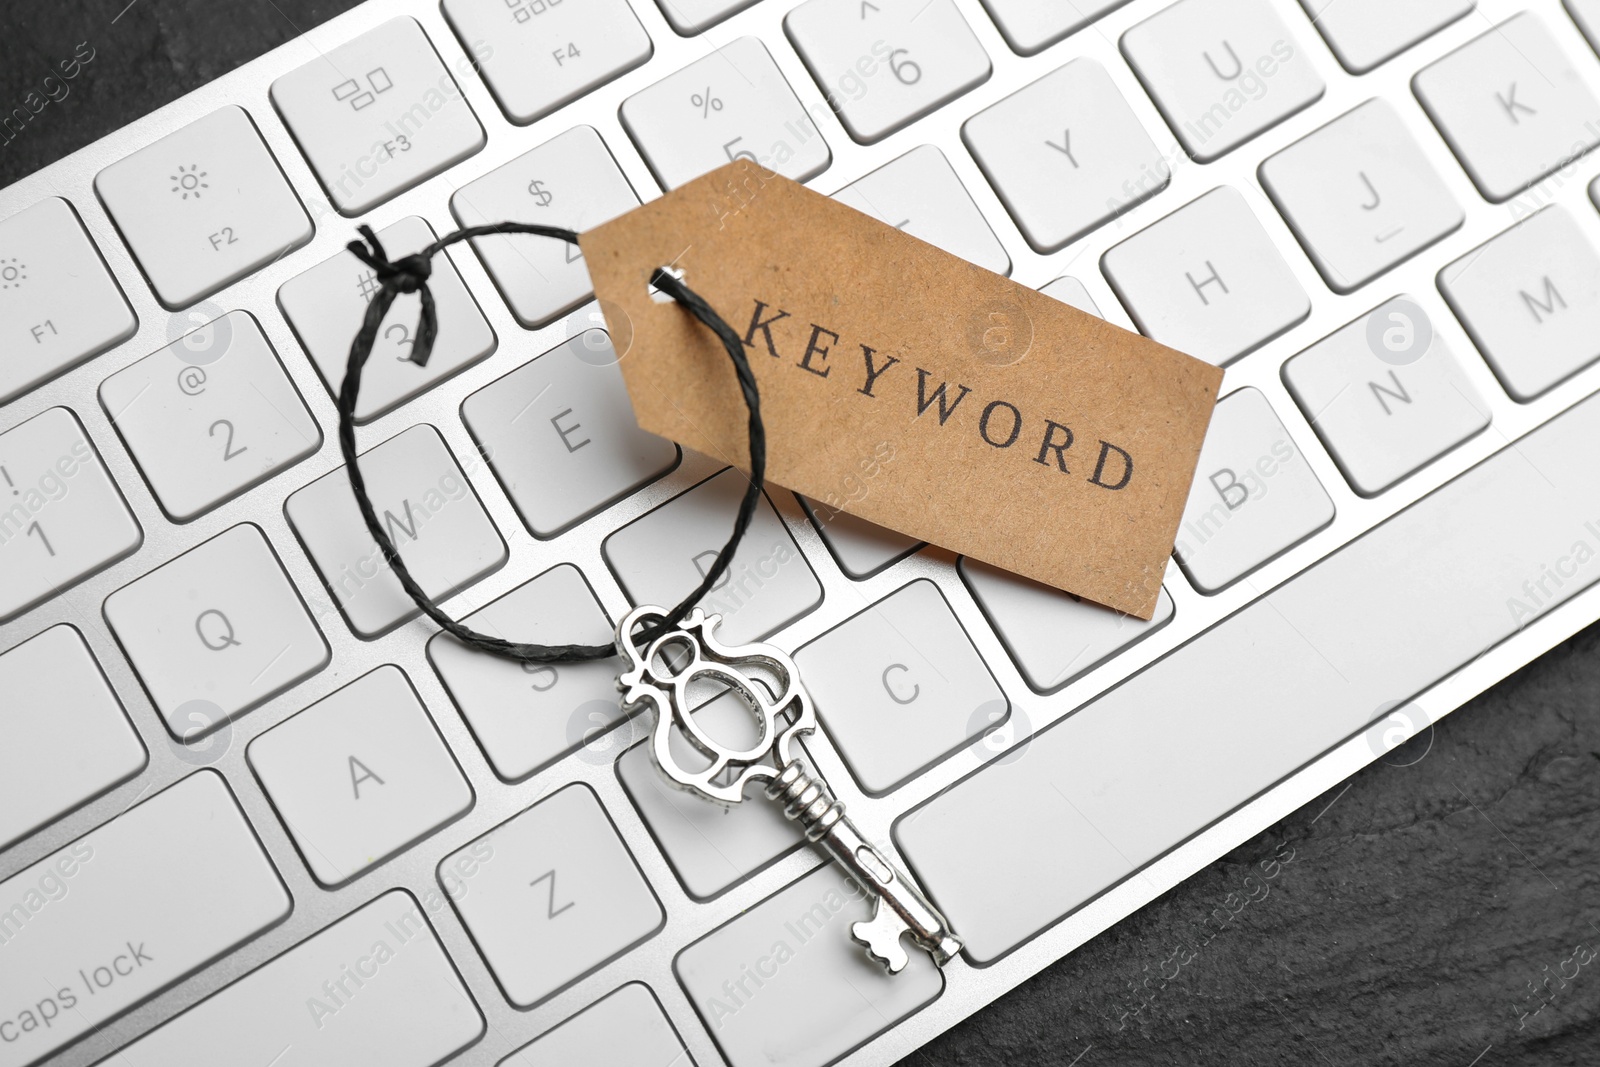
point(1023, 432)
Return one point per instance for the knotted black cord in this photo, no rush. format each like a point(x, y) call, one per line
point(410, 274)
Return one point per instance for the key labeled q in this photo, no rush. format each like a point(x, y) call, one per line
point(215, 630)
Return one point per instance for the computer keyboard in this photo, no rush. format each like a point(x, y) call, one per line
point(253, 809)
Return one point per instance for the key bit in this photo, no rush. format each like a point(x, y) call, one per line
point(881, 936)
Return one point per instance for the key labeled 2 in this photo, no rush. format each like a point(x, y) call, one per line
point(210, 416)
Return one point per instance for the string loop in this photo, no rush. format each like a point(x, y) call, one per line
point(410, 274)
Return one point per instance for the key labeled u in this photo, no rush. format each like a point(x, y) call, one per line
point(1238, 67)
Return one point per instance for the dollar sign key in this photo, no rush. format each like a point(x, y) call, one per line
point(537, 190)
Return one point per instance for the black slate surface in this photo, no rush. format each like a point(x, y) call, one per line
point(1436, 909)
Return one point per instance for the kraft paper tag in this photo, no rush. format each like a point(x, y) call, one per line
point(1022, 432)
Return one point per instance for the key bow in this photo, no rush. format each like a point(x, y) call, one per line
point(661, 672)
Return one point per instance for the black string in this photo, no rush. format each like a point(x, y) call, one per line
point(410, 274)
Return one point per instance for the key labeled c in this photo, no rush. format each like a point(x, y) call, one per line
point(888, 688)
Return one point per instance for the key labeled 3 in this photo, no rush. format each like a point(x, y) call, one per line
point(210, 416)
point(327, 303)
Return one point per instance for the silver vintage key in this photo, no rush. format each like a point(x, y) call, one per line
point(661, 674)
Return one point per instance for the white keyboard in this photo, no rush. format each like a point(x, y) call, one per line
point(254, 810)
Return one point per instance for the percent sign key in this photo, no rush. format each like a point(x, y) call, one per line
point(706, 102)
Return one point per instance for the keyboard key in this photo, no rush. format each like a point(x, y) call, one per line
point(1030, 27)
point(798, 941)
point(572, 181)
point(860, 548)
point(1221, 71)
point(731, 104)
point(1360, 195)
point(1386, 395)
point(884, 65)
point(1066, 154)
point(67, 738)
point(203, 207)
point(1365, 33)
point(360, 776)
point(1387, 615)
point(58, 304)
point(920, 193)
point(626, 1029)
point(1053, 637)
point(302, 1008)
point(427, 509)
point(526, 715)
point(561, 435)
point(326, 306)
point(561, 880)
point(709, 846)
point(210, 416)
point(1511, 106)
point(377, 115)
point(690, 17)
point(662, 556)
point(545, 54)
point(184, 865)
point(1070, 290)
point(61, 517)
point(1530, 298)
point(899, 687)
point(1253, 498)
point(216, 632)
point(1207, 280)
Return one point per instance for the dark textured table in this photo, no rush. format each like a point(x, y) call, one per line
point(1438, 908)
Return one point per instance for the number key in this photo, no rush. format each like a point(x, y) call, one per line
point(326, 304)
point(732, 104)
point(61, 517)
point(210, 416)
point(885, 63)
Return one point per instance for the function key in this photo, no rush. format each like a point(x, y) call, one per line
point(377, 115)
point(732, 104)
point(58, 304)
point(536, 55)
point(203, 207)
